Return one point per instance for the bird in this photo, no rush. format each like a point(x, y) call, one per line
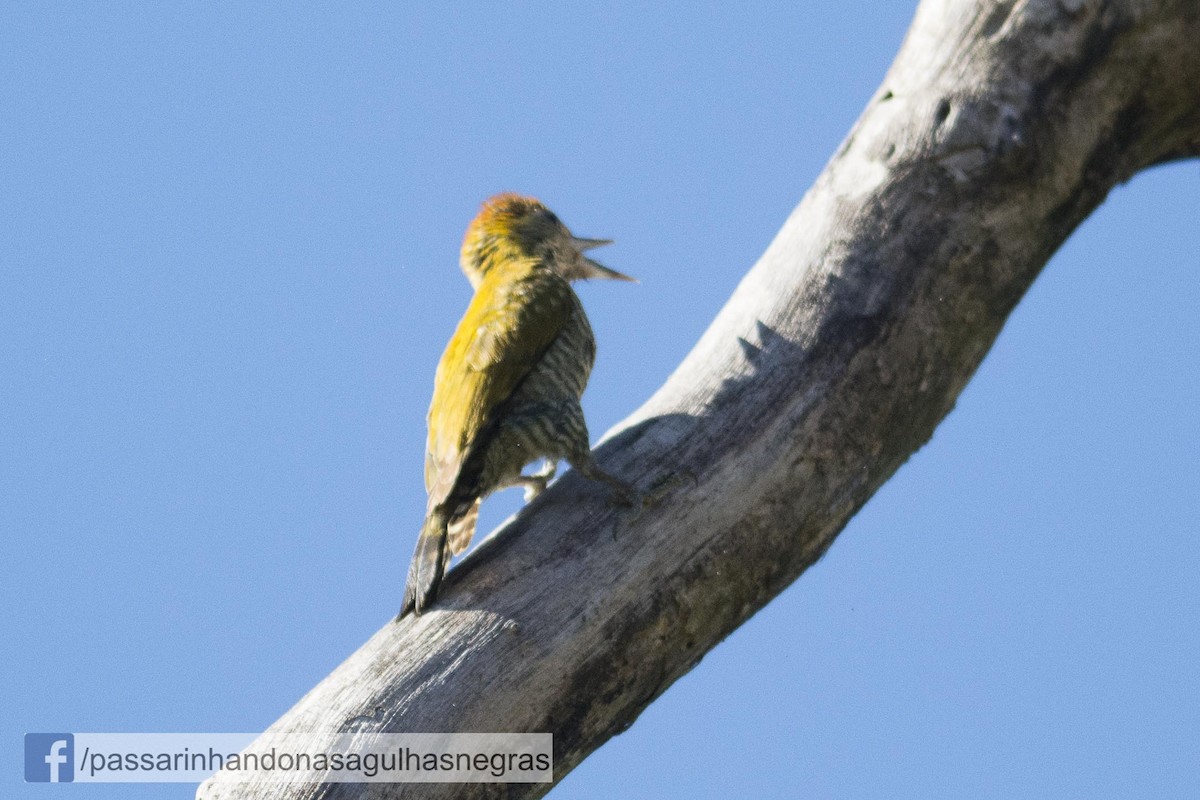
point(507, 389)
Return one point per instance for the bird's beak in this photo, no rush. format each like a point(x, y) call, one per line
point(583, 245)
point(594, 269)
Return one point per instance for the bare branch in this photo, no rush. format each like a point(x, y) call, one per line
point(1000, 126)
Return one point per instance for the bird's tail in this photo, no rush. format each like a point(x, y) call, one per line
point(462, 529)
point(428, 565)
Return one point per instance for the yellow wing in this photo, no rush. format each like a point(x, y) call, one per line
point(515, 315)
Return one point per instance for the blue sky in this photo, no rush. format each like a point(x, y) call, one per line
point(228, 243)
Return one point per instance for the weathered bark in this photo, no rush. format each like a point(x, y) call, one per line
point(1000, 126)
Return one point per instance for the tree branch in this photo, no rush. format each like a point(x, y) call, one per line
point(999, 127)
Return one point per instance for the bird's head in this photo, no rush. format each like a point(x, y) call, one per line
point(510, 227)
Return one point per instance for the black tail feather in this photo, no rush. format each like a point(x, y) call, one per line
point(428, 565)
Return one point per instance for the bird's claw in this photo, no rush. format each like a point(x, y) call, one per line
point(638, 501)
point(627, 497)
point(533, 489)
point(665, 486)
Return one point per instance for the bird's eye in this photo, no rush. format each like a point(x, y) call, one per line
point(552, 218)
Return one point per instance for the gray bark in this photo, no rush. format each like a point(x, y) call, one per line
point(999, 127)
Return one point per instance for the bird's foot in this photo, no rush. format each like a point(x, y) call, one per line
point(665, 486)
point(535, 484)
point(533, 487)
point(635, 501)
point(626, 496)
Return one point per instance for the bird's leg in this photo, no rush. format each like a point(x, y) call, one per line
point(623, 493)
point(535, 484)
point(666, 485)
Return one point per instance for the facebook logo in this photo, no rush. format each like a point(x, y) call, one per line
point(49, 758)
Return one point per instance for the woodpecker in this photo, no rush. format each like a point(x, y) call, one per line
point(507, 389)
